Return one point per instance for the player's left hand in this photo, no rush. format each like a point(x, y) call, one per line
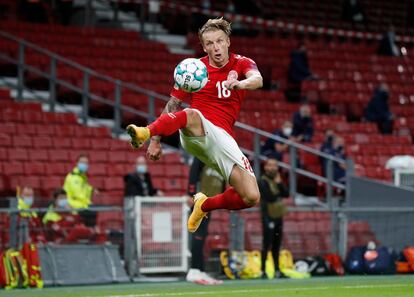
point(232, 83)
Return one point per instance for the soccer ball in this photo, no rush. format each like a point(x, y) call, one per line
point(191, 75)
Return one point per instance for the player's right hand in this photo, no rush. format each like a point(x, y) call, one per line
point(154, 151)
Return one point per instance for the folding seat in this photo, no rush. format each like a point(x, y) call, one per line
point(32, 181)
point(42, 142)
point(59, 169)
point(113, 183)
point(18, 154)
point(173, 158)
point(59, 155)
point(97, 170)
point(64, 130)
point(22, 141)
point(98, 156)
point(50, 183)
point(100, 143)
point(12, 168)
point(81, 143)
point(97, 182)
point(34, 168)
point(45, 130)
point(32, 117)
point(11, 116)
point(118, 145)
point(5, 140)
point(8, 128)
point(116, 157)
point(62, 143)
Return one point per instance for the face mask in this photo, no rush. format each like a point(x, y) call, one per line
point(28, 200)
point(62, 203)
point(287, 131)
point(141, 169)
point(83, 167)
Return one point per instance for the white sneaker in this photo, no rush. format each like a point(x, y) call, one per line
point(210, 280)
point(193, 275)
point(198, 277)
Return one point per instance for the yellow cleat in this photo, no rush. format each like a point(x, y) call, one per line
point(138, 135)
point(197, 215)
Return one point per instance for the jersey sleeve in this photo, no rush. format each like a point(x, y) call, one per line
point(247, 65)
point(180, 94)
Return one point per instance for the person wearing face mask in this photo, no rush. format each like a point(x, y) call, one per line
point(275, 149)
point(63, 226)
point(27, 218)
point(272, 190)
point(139, 183)
point(76, 185)
point(303, 124)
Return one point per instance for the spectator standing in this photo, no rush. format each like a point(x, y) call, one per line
point(209, 181)
point(139, 183)
point(275, 149)
point(388, 46)
point(303, 124)
point(327, 147)
point(272, 190)
point(298, 71)
point(378, 109)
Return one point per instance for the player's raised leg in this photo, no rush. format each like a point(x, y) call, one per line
point(165, 125)
point(243, 193)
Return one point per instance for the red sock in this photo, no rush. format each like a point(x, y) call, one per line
point(230, 199)
point(168, 123)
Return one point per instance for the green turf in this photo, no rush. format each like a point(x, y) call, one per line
point(350, 286)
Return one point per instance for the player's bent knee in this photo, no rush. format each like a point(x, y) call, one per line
point(252, 198)
point(191, 114)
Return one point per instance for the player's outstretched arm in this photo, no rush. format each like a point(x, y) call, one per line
point(154, 151)
point(252, 81)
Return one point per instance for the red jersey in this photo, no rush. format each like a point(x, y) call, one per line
point(218, 104)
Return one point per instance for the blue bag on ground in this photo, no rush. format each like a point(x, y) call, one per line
point(355, 260)
point(379, 261)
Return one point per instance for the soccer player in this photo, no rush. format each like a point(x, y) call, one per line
point(206, 128)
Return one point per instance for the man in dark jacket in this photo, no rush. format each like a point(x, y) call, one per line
point(272, 190)
point(303, 124)
point(139, 183)
point(275, 149)
point(378, 109)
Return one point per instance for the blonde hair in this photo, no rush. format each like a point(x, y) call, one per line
point(215, 24)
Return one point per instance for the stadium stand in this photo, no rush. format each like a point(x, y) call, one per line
point(349, 72)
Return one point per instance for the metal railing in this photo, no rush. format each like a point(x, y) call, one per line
point(118, 109)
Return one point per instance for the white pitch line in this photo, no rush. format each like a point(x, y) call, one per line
point(262, 290)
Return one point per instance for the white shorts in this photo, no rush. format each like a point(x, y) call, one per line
point(217, 149)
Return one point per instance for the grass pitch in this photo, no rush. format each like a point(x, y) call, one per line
point(349, 286)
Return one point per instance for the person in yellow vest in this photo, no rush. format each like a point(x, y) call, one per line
point(25, 201)
point(57, 224)
point(76, 185)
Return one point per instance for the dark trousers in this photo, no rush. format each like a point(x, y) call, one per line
point(197, 245)
point(272, 240)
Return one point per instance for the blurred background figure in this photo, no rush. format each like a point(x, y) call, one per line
point(378, 109)
point(275, 149)
point(29, 224)
point(299, 70)
point(210, 182)
point(272, 190)
point(139, 182)
point(388, 45)
point(303, 124)
point(76, 184)
point(353, 12)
